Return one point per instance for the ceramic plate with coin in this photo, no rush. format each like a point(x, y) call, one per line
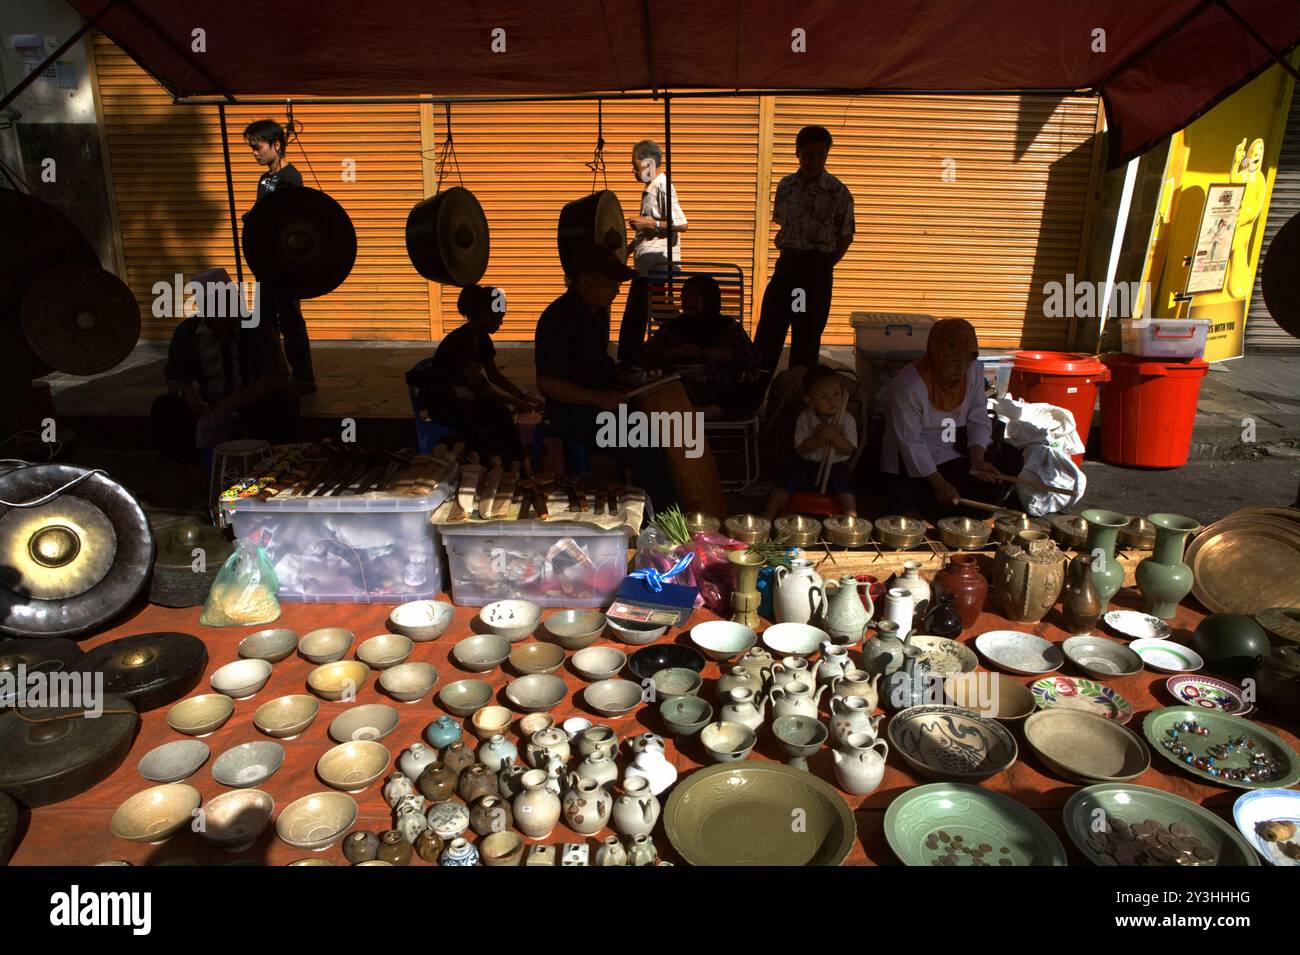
point(1208, 693)
point(1067, 692)
point(951, 824)
point(1270, 821)
point(1135, 625)
point(1165, 656)
point(1019, 652)
point(945, 656)
point(1144, 826)
point(1280, 771)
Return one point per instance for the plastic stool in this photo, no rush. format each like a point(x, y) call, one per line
point(812, 504)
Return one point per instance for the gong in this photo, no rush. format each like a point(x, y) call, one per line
point(299, 241)
point(54, 753)
point(1280, 277)
point(47, 655)
point(149, 669)
point(73, 563)
point(8, 828)
point(36, 237)
point(595, 218)
point(447, 238)
point(176, 581)
point(80, 319)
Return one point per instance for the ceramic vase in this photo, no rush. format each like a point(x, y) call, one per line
point(596, 739)
point(1163, 579)
point(438, 782)
point(398, 785)
point(393, 848)
point(653, 766)
point(544, 743)
point(912, 581)
point(598, 767)
point(942, 619)
point(835, 660)
point(442, 732)
point(460, 852)
point(536, 808)
point(741, 708)
point(413, 760)
point(1027, 576)
point(797, 699)
point(849, 715)
point(489, 814)
point(611, 852)
point(1107, 572)
point(458, 757)
point(797, 593)
point(637, 810)
point(962, 581)
point(642, 851)
point(476, 781)
point(360, 846)
point(883, 653)
point(845, 615)
point(900, 607)
point(1081, 606)
point(587, 807)
point(860, 763)
point(429, 846)
point(497, 753)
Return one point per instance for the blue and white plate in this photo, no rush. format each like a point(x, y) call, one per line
point(1254, 809)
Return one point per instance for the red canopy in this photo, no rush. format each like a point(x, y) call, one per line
point(1157, 66)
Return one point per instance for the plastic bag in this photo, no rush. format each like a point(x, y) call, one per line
point(1039, 424)
point(1048, 437)
point(710, 571)
point(243, 595)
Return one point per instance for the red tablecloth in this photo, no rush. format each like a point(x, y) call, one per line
point(76, 832)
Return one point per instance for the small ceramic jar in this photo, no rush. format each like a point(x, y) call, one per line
point(489, 814)
point(598, 739)
point(393, 848)
point(438, 782)
point(413, 761)
point(611, 852)
point(448, 819)
point(442, 732)
point(398, 785)
point(460, 852)
point(410, 822)
point(429, 846)
point(360, 846)
point(475, 782)
point(458, 757)
point(642, 851)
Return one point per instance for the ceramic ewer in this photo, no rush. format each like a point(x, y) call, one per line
point(586, 806)
point(637, 810)
point(844, 613)
point(798, 597)
point(860, 763)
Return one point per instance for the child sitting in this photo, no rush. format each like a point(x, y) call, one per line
point(825, 394)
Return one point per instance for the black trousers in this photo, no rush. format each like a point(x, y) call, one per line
point(485, 424)
point(272, 418)
point(636, 317)
point(813, 274)
point(285, 315)
point(649, 466)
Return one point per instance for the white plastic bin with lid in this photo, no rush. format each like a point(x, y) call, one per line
point(884, 344)
point(357, 549)
point(1164, 337)
point(552, 563)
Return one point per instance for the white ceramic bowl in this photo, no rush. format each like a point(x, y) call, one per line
point(407, 682)
point(512, 619)
point(241, 679)
point(793, 639)
point(1018, 652)
point(599, 663)
point(421, 620)
point(722, 639)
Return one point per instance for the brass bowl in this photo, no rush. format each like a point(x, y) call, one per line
point(234, 820)
point(599, 663)
point(963, 533)
point(612, 697)
point(844, 531)
point(368, 721)
point(287, 716)
point(351, 767)
point(421, 620)
point(326, 644)
point(332, 681)
point(536, 692)
point(241, 679)
point(1007, 525)
point(269, 645)
point(489, 721)
point(1070, 530)
point(201, 715)
point(465, 696)
point(408, 682)
point(529, 658)
point(156, 814)
point(248, 764)
point(697, 522)
point(749, 528)
point(575, 629)
point(899, 533)
point(384, 651)
point(1138, 534)
point(798, 531)
point(317, 820)
point(481, 652)
point(727, 742)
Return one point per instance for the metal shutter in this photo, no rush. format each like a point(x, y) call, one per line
point(1262, 333)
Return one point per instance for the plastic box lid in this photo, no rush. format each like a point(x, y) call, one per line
point(352, 503)
point(530, 528)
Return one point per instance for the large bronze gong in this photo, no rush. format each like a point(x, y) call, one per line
point(1280, 277)
point(299, 241)
point(175, 582)
point(595, 218)
point(36, 238)
point(47, 655)
point(71, 564)
point(149, 669)
point(80, 319)
point(447, 238)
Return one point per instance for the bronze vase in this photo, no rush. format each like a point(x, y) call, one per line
point(1080, 603)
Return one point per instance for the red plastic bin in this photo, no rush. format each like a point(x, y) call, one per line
point(1066, 379)
point(1148, 410)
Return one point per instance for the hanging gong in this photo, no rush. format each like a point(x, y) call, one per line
point(36, 237)
point(149, 669)
point(1280, 277)
point(73, 563)
point(178, 580)
point(595, 218)
point(54, 753)
point(299, 241)
point(80, 319)
point(447, 238)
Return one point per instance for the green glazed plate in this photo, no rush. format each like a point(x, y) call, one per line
point(954, 824)
point(1067, 692)
point(1156, 726)
point(1102, 805)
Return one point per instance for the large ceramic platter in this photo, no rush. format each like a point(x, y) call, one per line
point(1112, 824)
point(1208, 693)
point(1165, 656)
point(1018, 652)
point(1134, 625)
point(948, 742)
point(945, 656)
point(1069, 692)
point(951, 824)
point(1254, 809)
point(1228, 561)
point(739, 814)
point(1157, 726)
point(1085, 747)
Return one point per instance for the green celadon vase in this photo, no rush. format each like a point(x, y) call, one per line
point(1163, 579)
point(1107, 572)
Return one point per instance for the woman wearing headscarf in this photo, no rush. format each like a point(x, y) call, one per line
point(937, 425)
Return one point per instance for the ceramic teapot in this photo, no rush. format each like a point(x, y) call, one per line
point(849, 715)
point(744, 679)
point(637, 810)
point(798, 595)
point(795, 699)
point(858, 683)
point(835, 660)
point(544, 743)
point(653, 766)
point(744, 708)
point(791, 669)
point(860, 763)
point(846, 612)
point(757, 662)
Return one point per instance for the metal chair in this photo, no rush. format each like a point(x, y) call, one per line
point(723, 438)
point(665, 284)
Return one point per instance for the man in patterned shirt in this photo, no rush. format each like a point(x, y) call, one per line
point(815, 213)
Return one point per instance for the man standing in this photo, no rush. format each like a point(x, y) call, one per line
point(266, 138)
point(649, 244)
point(815, 213)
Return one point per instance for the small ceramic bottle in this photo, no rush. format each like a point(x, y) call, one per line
point(637, 810)
point(587, 807)
point(900, 607)
point(413, 761)
point(489, 814)
point(942, 619)
point(653, 765)
point(599, 767)
point(642, 851)
point(508, 779)
point(398, 785)
point(393, 848)
point(497, 752)
point(1081, 605)
point(536, 809)
point(460, 852)
point(611, 852)
point(476, 781)
point(442, 732)
point(360, 846)
point(883, 653)
point(458, 757)
point(912, 581)
point(554, 774)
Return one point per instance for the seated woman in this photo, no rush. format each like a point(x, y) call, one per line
point(462, 387)
point(718, 363)
point(937, 425)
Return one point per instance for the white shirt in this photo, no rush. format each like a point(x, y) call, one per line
point(805, 427)
point(651, 245)
point(915, 429)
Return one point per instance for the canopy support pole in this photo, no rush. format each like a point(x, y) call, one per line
point(230, 199)
point(1258, 37)
point(50, 60)
point(668, 180)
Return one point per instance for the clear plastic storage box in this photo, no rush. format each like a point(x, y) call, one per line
point(552, 563)
point(892, 336)
point(1164, 337)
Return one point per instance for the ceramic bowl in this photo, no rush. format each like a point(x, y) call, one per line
point(385, 650)
point(333, 681)
point(317, 820)
point(481, 652)
point(793, 639)
point(1165, 656)
point(534, 723)
point(575, 725)
point(648, 661)
point(286, 717)
point(408, 682)
point(269, 645)
point(635, 634)
point(685, 715)
point(421, 620)
point(351, 767)
point(599, 663)
point(990, 695)
point(529, 658)
point(465, 696)
point(241, 679)
point(722, 639)
point(367, 721)
point(612, 697)
point(488, 721)
point(201, 715)
point(536, 692)
point(1252, 810)
point(1136, 626)
point(799, 736)
point(234, 820)
point(951, 744)
point(502, 849)
point(1018, 652)
point(248, 764)
point(1013, 835)
point(156, 814)
point(1100, 658)
point(575, 629)
point(174, 761)
point(1086, 748)
point(677, 681)
point(727, 742)
point(512, 619)
point(1208, 693)
point(1073, 693)
point(325, 645)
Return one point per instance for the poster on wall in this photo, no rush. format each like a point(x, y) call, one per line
point(1209, 267)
